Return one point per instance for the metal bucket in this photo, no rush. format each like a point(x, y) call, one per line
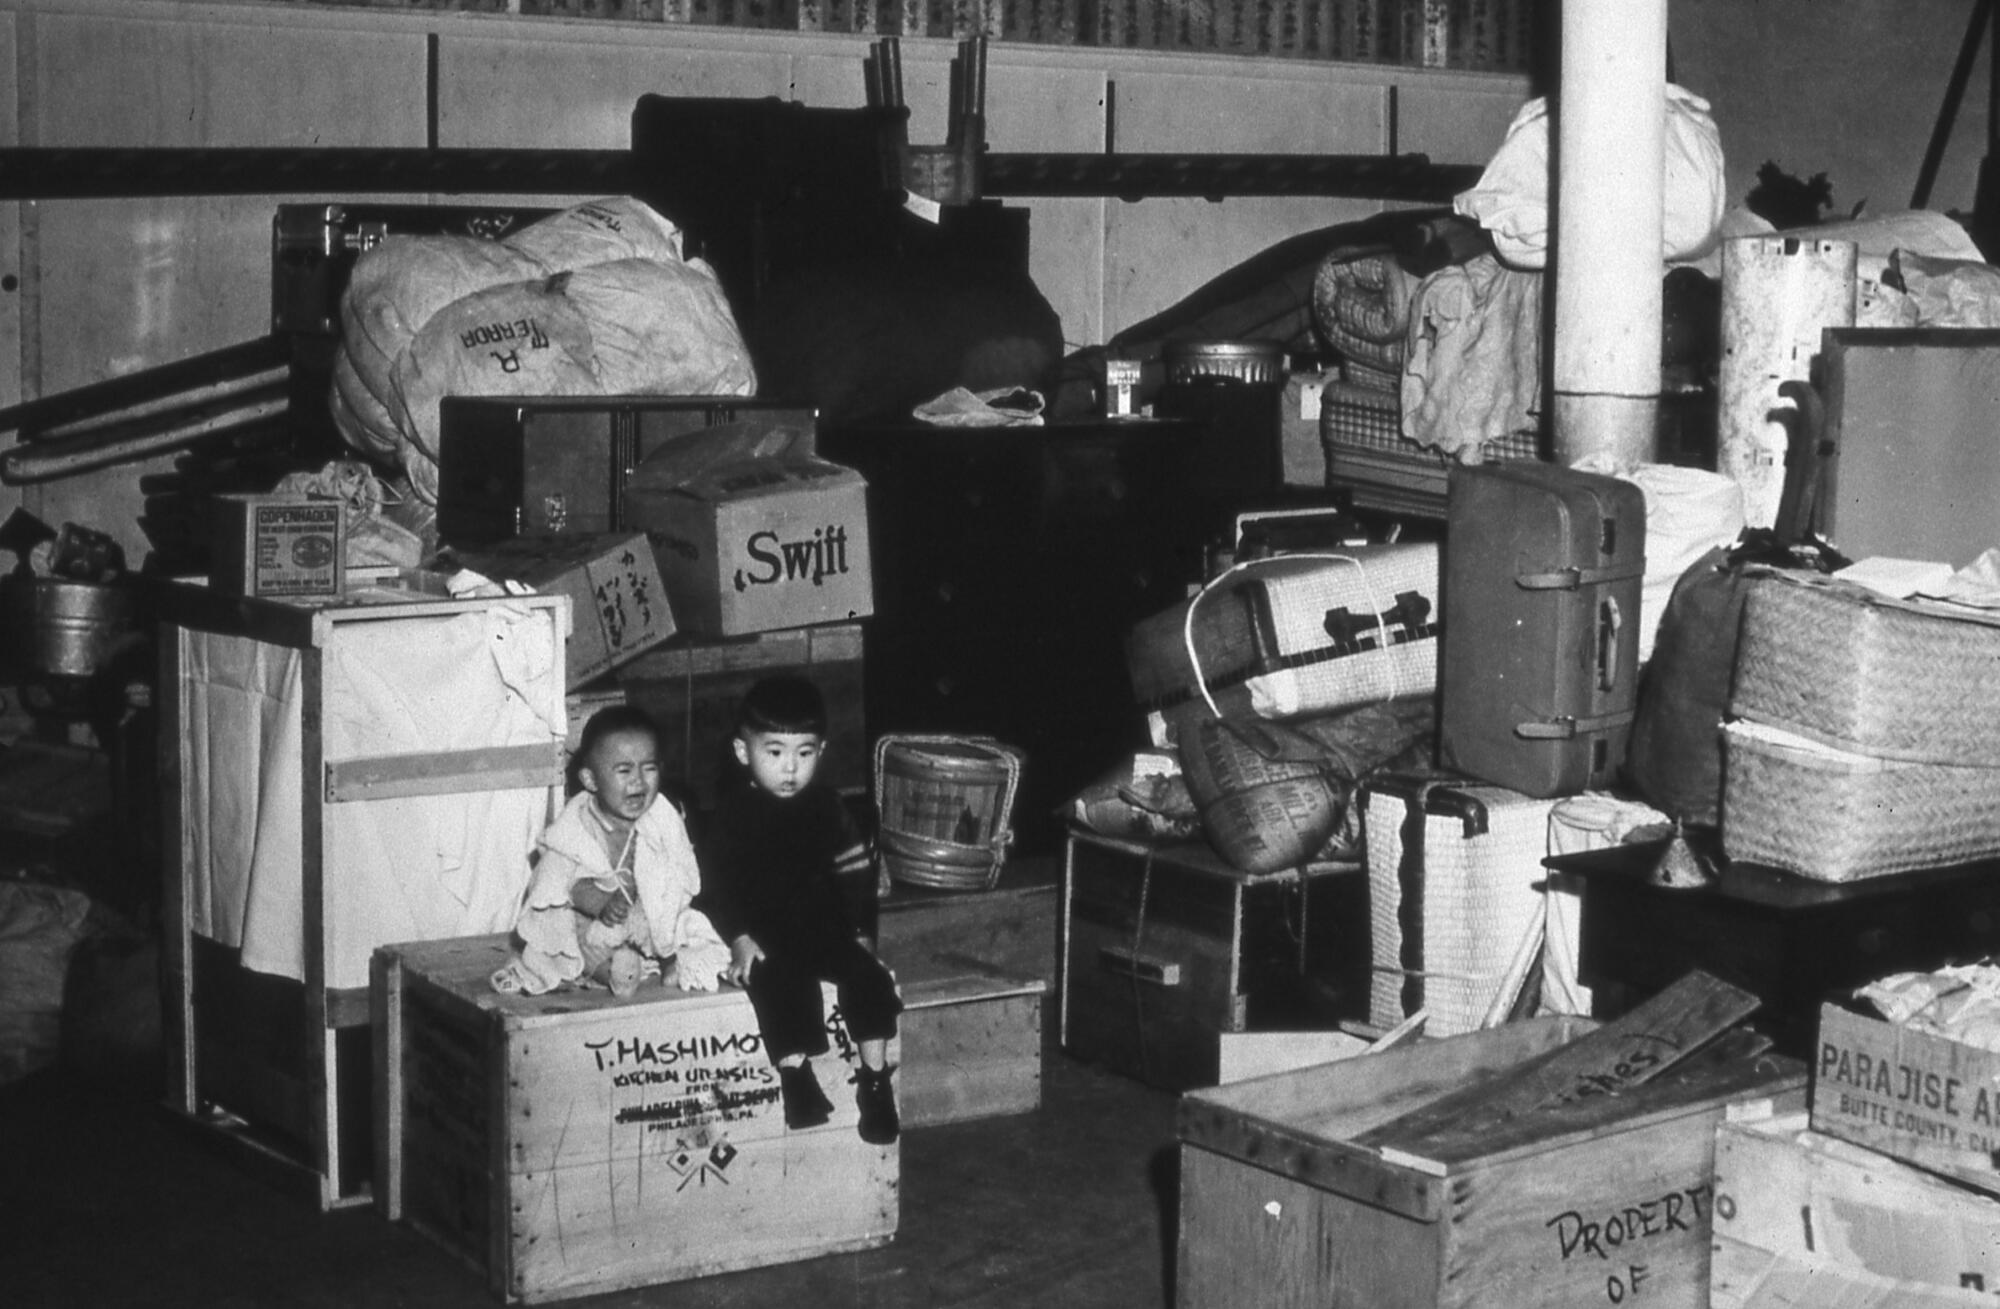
point(1237, 361)
point(53, 627)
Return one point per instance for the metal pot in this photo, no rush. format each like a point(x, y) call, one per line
point(53, 627)
point(1239, 361)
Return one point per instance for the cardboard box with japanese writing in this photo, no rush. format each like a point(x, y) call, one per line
point(617, 599)
point(754, 532)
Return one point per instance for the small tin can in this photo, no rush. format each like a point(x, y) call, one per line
point(1121, 378)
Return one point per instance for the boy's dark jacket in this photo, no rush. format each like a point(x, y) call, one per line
point(767, 866)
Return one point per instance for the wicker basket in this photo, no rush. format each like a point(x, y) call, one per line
point(1850, 669)
point(945, 806)
point(1837, 816)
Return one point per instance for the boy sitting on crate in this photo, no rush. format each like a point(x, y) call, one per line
point(773, 854)
point(610, 901)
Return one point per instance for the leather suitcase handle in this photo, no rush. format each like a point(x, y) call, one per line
point(1566, 729)
point(1610, 619)
point(1571, 579)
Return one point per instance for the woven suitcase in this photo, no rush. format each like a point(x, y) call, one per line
point(1838, 816)
point(1543, 571)
point(1857, 671)
point(1291, 636)
point(1356, 627)
point(1162, 676)
point(1455, 896)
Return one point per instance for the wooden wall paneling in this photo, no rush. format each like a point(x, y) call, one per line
point(1157, 251)
point(544, 87)
point(1033, 103)
point(12, 285)
point(526, 86)
point(123, 285)
point(1456, 120)
point(1045, 105)
point(829, 76)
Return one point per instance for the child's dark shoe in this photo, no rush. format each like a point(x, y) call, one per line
point(805, 1104)
point(876, 1099)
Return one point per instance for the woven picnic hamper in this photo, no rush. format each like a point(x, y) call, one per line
point(1840, 816)
point(1851, 669)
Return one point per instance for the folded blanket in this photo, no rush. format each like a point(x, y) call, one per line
point(1362, 306)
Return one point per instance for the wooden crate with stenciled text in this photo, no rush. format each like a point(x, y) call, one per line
point(575, 1143)
point(1298, 1189)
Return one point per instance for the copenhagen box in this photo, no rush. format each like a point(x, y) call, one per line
point(575, 1143)
point(1931, 1101)
point(282, 547)
point(618, 602)
point(1296, 1190)
point(754, 531)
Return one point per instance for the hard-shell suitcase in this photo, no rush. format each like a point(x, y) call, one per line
point(1455, 907)
point(1542, 574)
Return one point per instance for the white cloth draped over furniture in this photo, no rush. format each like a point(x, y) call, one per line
point(413, 867)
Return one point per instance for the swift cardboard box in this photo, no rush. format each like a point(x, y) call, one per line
point(754, 531)
point(618, 603)
point(1925, 1099)
point(282, 547)
point(575, 1143)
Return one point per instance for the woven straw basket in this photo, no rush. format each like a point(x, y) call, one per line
point(1838, 816)
point(945, 806)
point(1847, 668)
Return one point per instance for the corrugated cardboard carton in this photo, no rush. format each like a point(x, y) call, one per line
point(754, 532)
point(618, 602)
point(278, 546)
